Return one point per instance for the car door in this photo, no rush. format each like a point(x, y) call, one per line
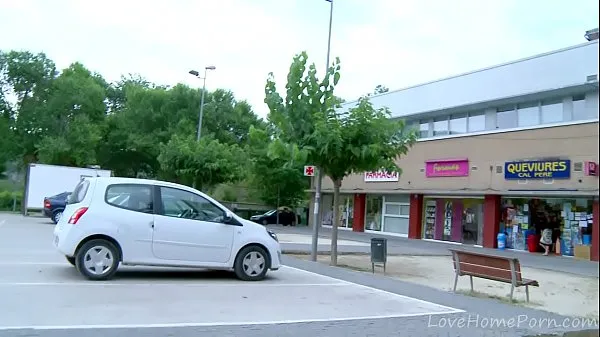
point(190, 228)
point(131, 212)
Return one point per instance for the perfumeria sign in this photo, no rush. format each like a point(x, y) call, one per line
point(381, 176)
point(457, 167)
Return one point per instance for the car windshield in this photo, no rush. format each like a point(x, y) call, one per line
point(270, 212)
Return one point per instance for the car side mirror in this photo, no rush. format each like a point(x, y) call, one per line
point(227, 218)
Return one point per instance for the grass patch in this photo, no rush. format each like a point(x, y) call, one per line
point(505, 299)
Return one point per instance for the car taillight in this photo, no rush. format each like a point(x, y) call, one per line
point(46, 203)
point(77, 215)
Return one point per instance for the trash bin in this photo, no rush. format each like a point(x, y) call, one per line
point(378, 252)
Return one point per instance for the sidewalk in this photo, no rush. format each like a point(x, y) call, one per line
point(405, 246)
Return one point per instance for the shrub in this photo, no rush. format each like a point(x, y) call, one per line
point(7, 199)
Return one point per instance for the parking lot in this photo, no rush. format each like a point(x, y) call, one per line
point(40, 289)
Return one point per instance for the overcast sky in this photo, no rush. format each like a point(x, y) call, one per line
point(396, 43)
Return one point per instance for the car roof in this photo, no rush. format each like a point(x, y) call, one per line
point(121, 180)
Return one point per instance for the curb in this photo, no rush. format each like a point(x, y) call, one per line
point(326, 252)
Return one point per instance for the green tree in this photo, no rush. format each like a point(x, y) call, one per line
point(276, 169)
point(28, 78)
point(204, 164)
point(75, 113)
point(339, 143)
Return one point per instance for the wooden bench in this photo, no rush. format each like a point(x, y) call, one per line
point(491, 267)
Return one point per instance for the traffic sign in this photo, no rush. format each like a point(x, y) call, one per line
point(309, 171)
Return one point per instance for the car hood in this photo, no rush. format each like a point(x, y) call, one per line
point(249, 223)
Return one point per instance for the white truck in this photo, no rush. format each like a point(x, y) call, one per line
point(43, 181)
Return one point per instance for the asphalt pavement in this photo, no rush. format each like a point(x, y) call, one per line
point(42, 295)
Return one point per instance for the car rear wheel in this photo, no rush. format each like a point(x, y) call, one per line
point(56, 215)
point(265, 222)
point(71, 259)
point(97, 260)
point(251, 264)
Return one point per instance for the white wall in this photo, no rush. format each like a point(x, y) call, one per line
point(555, 70)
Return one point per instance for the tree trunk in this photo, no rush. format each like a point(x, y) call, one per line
point(336, 220)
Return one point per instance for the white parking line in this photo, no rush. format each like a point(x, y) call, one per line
point(450, 309)
point(191, 325)
point(9, 263)
point(183, 283)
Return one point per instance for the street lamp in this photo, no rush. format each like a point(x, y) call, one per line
point(197, 74)
point(319, 173)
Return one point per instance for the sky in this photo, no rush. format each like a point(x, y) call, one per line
point(395, 43)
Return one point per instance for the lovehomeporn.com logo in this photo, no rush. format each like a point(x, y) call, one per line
point(520, 321)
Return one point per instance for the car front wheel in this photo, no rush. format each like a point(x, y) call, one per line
point(251, 264)
point(97, 260)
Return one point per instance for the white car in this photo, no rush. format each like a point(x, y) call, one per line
point(110, 221)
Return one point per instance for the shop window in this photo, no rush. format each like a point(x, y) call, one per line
point(396, 225)
point(440, 126)
point(397, 209)
point(458, 124)
point(569, 219)
point(476, 122)
point(552, 111)
point(506, 117)
point(528, 114)
point(402, 198)
point(579, 109)
point(373, 212)
point(424, 129)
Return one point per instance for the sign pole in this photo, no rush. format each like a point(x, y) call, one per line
point(315, 222)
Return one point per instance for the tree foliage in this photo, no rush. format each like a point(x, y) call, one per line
point(134, 127)
point(277, 167)
point(339, 142)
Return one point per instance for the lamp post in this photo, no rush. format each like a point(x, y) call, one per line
point(316, 211)
point(195, 73)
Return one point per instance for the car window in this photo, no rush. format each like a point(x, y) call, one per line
point(134, 197)
point(186, 205)
point(79, 193)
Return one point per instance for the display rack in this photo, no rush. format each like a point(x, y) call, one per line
point(430, 210)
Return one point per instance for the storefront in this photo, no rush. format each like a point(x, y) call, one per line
point(345, 211)
point(570, 219)
point(523, 219)
point(451, 218)
point(454, 219)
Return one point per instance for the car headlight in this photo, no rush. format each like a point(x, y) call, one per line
point(273, 235)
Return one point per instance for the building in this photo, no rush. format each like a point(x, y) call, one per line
point(503, 149)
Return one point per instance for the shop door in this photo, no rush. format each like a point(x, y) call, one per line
point(346, 211)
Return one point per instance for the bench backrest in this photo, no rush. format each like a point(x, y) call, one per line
point(486, 266)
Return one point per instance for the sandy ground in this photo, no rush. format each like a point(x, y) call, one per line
point(565, 294)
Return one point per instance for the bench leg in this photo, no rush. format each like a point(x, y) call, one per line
point(455, 280)
point(512, 289)
point(527, 292)
point(471, 277)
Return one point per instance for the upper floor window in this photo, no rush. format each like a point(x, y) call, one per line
point(528, 114)
point(424, 129)
point(476, 121)
point(506, 117)
point(580, 111)
point(458, 124)
point(552, 111)
point(440, 126)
